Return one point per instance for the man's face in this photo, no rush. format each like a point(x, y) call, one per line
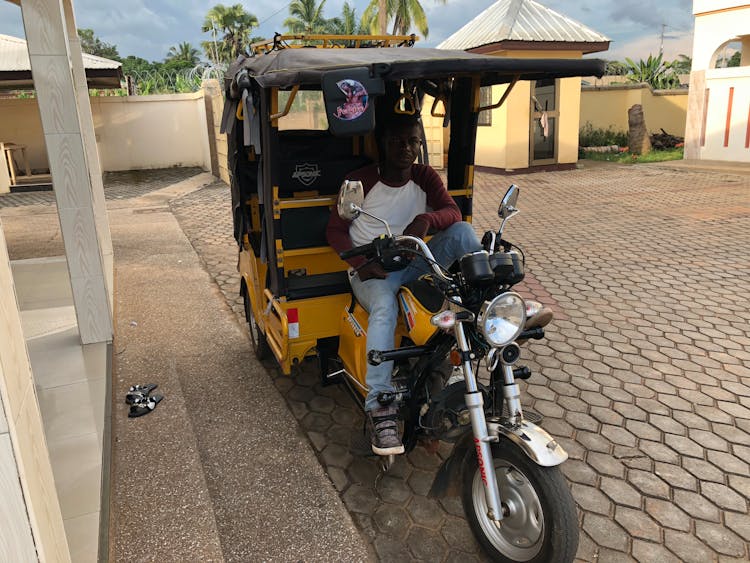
point(402, 144)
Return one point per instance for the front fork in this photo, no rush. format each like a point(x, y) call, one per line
point(482, 439)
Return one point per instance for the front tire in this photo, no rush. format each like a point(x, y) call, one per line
point(541, 523)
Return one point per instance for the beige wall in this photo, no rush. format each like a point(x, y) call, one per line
point(138, 132)
point(606, 107)
point(134, 132)
point(25, 430)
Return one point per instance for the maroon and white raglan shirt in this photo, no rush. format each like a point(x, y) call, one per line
point(423, 196)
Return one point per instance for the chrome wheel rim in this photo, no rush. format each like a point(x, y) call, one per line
point(520, 535)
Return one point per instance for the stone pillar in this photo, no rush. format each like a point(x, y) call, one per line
point(64, 134)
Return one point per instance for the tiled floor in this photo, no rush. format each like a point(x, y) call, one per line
point(71, 385)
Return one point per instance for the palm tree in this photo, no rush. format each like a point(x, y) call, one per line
point(233, 25)
point(184, 52)
point(305, 16)
point(682, 64)
point(405, 13)
point(346, 24)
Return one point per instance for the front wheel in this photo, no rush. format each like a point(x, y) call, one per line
point(540, 523)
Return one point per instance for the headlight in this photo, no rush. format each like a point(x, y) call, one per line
point(502, 319)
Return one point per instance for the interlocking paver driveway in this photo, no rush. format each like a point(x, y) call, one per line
point(643, 376)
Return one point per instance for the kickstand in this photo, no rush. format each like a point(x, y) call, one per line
point(385, 462)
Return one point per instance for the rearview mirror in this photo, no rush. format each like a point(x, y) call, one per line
point(351, 197)
point(508, 204)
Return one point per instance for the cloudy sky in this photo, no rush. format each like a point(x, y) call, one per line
point(147, 28)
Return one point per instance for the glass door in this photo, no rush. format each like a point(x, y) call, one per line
point(544, 119)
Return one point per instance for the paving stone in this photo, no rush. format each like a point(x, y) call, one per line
point(426, 545)
point(740, 484)
point(391, 520)
point(579, 472)
point(338, 478)
point(390, 549)
point(668, 514)
point(703, 470)
point(591, 499)
point(621, 492)
point(606, 464)
point(720, 539)
point(676, 476)
point(696, 505)
point(618, 435)
point(594, 442)
point(647, 552)
point(739, 523)
point(724, 497)
point(728, 462)
point(458, 535)
point(425, 512)
point(688, 548)
point(659, 452)
point(638, 524)
point(648, 483)
point(358, 498)
point(643, 430)
point(605, 532)
point(393, 490)
point(420, 482)
point(336, 455)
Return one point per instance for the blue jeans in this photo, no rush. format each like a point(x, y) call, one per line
point(378, 297)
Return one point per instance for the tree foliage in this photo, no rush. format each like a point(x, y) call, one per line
point(92, 45)
point(405, 15)
point(183, 53)
point(306, 16)
point(230, 27)
point(653, 71)
point(346, 23)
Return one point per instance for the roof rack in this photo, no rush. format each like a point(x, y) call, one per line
point(322, 41)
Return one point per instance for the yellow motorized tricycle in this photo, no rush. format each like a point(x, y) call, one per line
point(300, 115)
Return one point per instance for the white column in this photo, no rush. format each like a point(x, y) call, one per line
point(89, 140)
point(45, 26)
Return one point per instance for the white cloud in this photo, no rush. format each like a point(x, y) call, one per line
point(642, 47)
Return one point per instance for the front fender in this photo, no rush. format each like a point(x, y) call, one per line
point(533, 440)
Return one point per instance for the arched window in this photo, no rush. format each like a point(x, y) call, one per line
point(729, 54)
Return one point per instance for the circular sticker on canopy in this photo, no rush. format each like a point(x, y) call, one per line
point(356, 100)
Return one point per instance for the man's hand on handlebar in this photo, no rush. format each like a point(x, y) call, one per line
point(417, 228)
point(371, 270)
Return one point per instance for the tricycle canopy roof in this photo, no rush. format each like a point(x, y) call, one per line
point(285, 68)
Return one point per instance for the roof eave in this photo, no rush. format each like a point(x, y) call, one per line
point(586, 47)
point(95, 78)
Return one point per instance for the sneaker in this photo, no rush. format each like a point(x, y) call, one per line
point(384, 431)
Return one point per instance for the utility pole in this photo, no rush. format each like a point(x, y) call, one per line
point(382, 17)
point(661, 41)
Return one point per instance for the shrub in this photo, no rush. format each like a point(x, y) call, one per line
point(589, 136)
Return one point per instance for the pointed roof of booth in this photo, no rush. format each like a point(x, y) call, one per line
point(524, 24)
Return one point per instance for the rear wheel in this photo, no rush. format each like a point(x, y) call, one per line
point(540, 523)
point(260, 344)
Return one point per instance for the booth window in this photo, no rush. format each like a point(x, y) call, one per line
point(485, 99)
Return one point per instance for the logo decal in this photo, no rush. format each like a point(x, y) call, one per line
point(356, 100)
point(482, 470)
point(406, 308)
point(306, 173)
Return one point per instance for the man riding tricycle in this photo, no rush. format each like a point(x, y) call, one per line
point(354, 250)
